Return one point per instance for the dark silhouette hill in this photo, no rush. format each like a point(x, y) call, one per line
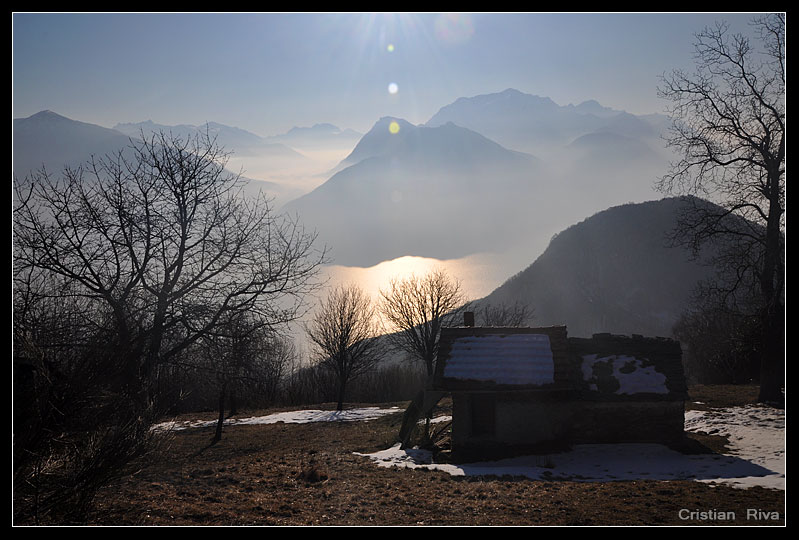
point(613, 272)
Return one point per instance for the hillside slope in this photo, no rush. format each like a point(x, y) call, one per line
point(612, 272)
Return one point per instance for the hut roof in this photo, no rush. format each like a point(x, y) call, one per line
point(605, 367)
point(496, 358)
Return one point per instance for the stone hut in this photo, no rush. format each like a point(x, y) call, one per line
point(525, 389)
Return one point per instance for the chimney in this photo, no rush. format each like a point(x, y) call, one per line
point(468, 318)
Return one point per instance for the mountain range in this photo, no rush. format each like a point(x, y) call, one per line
point(241, 143)
point(51, 141)
point(426, 191)
point(536, 124)
point(483, 174)
point(319, 136)
point(467, 181)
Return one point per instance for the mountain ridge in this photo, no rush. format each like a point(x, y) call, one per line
point(237, 140)
point(404, 190)
point(611, 272)
point(52, 141)
point(536, 124)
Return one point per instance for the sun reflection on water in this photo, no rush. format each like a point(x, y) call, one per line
point(479, 274)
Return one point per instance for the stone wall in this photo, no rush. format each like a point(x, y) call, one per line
point(623, 389)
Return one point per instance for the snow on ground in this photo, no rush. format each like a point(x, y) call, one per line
point(290, 417)
point(756, 456)
point(756, 434)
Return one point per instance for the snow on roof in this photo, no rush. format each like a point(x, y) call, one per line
point(633, 377)
point(503, 359)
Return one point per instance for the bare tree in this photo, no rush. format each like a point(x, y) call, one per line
point(416, 308)
point(75, 427)
point(167, 243)
point(504, 315)
point(720, 345)
point(272, 366)
point(344, 334)
point(153, 249)
point(729, 127)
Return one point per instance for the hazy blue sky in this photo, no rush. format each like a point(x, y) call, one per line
point(268, 72)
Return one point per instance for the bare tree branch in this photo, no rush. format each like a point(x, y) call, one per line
point(416, 308)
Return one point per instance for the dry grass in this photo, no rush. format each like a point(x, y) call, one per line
point(307, 474)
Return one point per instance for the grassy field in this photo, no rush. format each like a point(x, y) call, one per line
point(309, 474)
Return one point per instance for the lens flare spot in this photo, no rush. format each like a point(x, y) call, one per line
point(393, 88)
point(390, 47)
point(393, 127)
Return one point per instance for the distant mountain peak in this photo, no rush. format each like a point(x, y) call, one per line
point(512, 93)
point(46, 114)
point(509, 103)
point(319, 129)
point(325, 126)
point(388, 119)
point(592, 106)
point(382, 127)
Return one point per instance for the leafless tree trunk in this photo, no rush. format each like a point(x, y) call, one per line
point(729, 126)
point(241, 353)
point(344, 334)
point(166, 241)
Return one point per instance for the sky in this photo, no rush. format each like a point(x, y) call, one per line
point(268, 72)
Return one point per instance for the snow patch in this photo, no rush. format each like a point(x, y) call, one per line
point(437, 420)
point(290, 417)
point(633, 377)
point(756, 457)
point(755, 434)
